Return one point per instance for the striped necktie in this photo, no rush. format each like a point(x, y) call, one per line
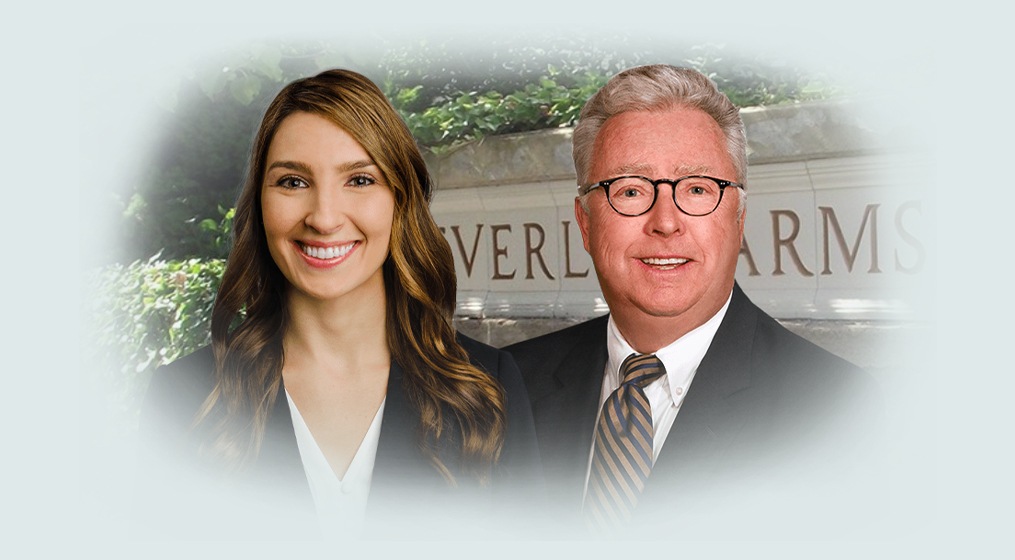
point(622, 459)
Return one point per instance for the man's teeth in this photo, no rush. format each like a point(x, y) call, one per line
point(663, 262)
point(326, 253)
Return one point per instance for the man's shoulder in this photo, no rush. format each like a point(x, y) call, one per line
point(810, 385)
point(789, 352)
point(561, 338)
point(774, 347)
point(549, 349)
point(483, 356)
point(540, 356)
point(801, 379)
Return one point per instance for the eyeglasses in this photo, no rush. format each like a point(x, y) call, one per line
point(634, 195)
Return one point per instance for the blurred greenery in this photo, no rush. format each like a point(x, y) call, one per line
point(448, 92)
point(144, 315)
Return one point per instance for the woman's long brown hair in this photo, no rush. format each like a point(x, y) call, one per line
point(455, 401)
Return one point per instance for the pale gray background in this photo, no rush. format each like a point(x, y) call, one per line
point(80, 84)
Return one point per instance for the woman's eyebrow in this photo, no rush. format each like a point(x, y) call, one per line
point(304, 168)
point(290, 165)
point(354, 165)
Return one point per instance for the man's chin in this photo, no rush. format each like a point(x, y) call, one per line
point(650, 309)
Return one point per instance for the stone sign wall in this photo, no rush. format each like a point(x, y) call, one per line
point(837, 221)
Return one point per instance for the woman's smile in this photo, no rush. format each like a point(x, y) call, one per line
point(325, 256)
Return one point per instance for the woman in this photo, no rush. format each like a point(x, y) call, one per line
point(333, 358)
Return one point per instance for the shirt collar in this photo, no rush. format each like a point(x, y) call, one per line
point(681, 357)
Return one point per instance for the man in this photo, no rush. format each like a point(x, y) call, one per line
point(720, 402)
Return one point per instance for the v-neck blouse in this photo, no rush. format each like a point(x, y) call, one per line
point(340, 503)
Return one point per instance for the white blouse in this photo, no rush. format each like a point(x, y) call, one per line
point(340, 503)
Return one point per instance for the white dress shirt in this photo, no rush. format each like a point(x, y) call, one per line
point(340, 502)
point(665, 395)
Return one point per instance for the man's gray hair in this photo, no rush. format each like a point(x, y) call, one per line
point(658, 87)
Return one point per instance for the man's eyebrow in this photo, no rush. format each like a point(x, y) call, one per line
point(645, 169)
point(684, 170)
point(632, 169)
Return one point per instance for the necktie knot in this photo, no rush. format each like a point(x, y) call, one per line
point(641, 369)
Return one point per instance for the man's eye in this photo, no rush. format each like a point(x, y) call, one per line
point(701, 189)
point(632, 191)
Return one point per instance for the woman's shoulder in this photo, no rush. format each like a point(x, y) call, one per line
point(178, 390)
point(195, 371)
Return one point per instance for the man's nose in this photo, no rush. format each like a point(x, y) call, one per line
point(664, 218)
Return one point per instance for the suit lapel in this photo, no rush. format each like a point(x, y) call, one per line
point(280, 454)
point(397, 454)
point(277, 474)
point(567, 414)
point(718, 403)
point(400, 469)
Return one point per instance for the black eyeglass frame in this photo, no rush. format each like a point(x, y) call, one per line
point(655, 191)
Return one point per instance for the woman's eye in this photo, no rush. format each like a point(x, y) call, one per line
point(290, 182)
point(361, 181)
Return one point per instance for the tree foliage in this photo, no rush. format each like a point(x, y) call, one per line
point(446, 91)
point(546, 103)
point(144, 315)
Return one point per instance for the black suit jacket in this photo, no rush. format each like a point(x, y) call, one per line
point(767, 414)
point(182, 493)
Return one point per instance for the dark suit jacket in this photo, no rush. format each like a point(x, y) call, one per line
point(765, 412)
point(184, 494)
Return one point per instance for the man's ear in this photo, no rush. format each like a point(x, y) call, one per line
point(581, 215)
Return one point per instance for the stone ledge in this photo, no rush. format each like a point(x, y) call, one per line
point(538, 156)
point(799, 132)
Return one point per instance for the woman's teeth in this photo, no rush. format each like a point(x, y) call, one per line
point(326, 253)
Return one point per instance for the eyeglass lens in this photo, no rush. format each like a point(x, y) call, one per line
point(696, 196)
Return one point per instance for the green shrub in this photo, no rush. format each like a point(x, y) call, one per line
point(545, 103)
point(144, 315)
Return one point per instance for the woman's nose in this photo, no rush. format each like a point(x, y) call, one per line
point(327, 213)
